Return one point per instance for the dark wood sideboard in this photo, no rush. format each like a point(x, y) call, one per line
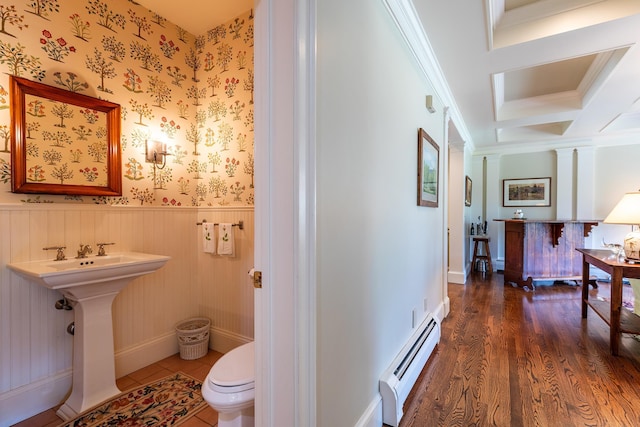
point(543, 250)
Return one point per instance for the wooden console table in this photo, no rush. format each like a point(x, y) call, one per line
point(543, 249)
point(619, 321)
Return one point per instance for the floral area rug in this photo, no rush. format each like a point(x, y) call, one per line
point(166, 402)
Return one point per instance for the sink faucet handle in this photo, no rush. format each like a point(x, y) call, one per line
point(60, 255)
point(101, 251)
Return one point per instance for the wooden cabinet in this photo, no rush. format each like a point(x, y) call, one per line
point(513, 251)
point(543, 250)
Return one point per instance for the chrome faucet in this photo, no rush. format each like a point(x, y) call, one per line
point(84, 250)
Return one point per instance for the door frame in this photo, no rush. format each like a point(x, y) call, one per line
point(285, 208)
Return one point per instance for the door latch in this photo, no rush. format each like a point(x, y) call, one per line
point(257, 279)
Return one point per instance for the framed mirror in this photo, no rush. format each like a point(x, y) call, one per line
point(63, 142)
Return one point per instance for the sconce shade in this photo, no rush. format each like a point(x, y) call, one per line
point(430, 107)
point(627, 211)
point(155, 151)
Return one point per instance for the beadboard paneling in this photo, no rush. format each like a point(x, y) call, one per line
point(226, 290)
point(145, 313)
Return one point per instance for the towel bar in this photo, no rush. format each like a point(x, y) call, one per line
point(240, 224)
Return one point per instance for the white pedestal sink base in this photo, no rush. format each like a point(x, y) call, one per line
point(93, 355)
point(92, 283)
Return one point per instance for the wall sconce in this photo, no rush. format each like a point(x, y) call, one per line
point(627, 211)
point(430, 107)
point(156, 153)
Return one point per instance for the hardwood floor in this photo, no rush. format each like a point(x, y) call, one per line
point(198, 368)
point(508, 357)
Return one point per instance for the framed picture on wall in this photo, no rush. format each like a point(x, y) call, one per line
point(526, 192)
point(428, 161)
point(467, 191)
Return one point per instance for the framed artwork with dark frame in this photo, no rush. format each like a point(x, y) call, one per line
point(428, 170)
point(526, 192)
point(467, 191)
point(63, 142)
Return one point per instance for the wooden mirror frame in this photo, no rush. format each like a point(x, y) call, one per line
point(19, 88)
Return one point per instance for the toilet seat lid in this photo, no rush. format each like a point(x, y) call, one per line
point(235, 368)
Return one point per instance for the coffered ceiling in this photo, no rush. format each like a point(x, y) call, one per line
point(524, 73)
point(539, 73)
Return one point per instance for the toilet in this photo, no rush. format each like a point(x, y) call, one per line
point(230, 387)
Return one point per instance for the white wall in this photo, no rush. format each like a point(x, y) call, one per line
point(616, 172)
point(607, 178)
point(379, 254)
point(457, 230)
point(529, 165)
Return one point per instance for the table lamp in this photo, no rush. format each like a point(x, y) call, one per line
point(627, 211)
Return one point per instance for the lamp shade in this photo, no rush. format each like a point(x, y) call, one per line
point(627, 211)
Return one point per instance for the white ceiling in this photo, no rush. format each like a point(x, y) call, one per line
point(523, 73)
point(198, 16)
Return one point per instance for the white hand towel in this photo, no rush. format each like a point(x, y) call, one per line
point(208, 241)
point(226, 245)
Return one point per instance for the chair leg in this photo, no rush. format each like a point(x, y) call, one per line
point(488, 251)
point(475, 254)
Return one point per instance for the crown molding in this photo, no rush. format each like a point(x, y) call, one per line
point(406, 19)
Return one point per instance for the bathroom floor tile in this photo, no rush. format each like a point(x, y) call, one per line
point(199, 372)
point(125, 383)
point(208, 415)
point(43, 419)
point(142, 375)
point(196, 422)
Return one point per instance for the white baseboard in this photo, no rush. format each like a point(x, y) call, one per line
point(225, 341)
point(136, 357)
point(442, 310)
point(458, 277)
point(372, 416)
point(149, 352)
point(31, 399)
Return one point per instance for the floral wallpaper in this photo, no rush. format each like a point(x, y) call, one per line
point(72, 147)
point(193, 93)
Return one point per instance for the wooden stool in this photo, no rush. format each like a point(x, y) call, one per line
point(487, 253)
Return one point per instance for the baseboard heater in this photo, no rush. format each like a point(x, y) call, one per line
point(399, 378)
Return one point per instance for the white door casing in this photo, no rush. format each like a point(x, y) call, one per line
point(285, 212)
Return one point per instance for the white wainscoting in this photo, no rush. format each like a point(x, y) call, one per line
point(36, 351)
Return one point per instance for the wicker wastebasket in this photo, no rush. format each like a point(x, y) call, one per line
point(193, 337)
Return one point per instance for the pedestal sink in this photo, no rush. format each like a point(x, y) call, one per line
point(92, 283)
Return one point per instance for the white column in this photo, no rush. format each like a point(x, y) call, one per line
point(564, 183)
point(585, 182)
point(493, 202)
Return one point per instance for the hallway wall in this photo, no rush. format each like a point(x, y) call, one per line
point(379, 255)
